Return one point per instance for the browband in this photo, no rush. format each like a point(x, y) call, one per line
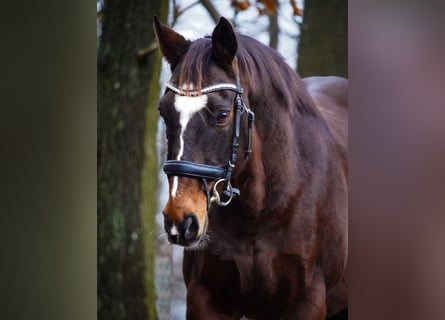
point(206, 90)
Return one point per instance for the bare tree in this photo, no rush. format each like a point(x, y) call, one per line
point(128, 87)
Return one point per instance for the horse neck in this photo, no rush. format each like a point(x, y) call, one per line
point(284, 142)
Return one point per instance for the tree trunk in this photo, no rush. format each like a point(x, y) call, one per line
point(128, 89)
point(274, 28)
point(323, 47)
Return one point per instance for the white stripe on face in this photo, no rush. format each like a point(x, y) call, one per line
point(187, 107)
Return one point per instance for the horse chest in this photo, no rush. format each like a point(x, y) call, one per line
point(268, 284)
point(259, 277)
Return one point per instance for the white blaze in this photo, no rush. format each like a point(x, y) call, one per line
point(187, 107)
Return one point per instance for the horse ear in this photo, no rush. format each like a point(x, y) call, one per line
point(224, 42)
point(172, 44)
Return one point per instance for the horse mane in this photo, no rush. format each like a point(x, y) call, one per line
point(266, 70)
point(261, 68)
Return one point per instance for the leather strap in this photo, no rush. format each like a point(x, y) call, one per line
point(193, 170)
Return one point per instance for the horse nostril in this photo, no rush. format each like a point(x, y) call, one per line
point(189, 227)
point(173, 238)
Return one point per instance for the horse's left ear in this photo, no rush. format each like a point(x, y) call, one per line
point(224, 42)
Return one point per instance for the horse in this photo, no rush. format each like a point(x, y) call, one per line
point(257, 174)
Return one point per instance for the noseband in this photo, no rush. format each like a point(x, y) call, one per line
point(220, 174)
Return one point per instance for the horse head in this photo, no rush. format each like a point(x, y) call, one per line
point(204, 111)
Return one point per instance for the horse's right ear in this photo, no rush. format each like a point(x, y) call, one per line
point(172, 44)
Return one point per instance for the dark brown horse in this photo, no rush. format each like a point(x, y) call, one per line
point(257, 179)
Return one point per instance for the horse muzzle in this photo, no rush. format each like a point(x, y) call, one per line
point(185, 232)
point(185, 214)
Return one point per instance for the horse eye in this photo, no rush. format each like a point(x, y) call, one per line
point(222, 117)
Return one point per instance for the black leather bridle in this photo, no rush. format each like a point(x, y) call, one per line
point(220, 174)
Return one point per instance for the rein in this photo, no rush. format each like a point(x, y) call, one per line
point(220, 174)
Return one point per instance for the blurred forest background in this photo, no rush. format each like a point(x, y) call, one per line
point(138, 273)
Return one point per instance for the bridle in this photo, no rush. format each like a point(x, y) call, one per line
point(220, 174)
